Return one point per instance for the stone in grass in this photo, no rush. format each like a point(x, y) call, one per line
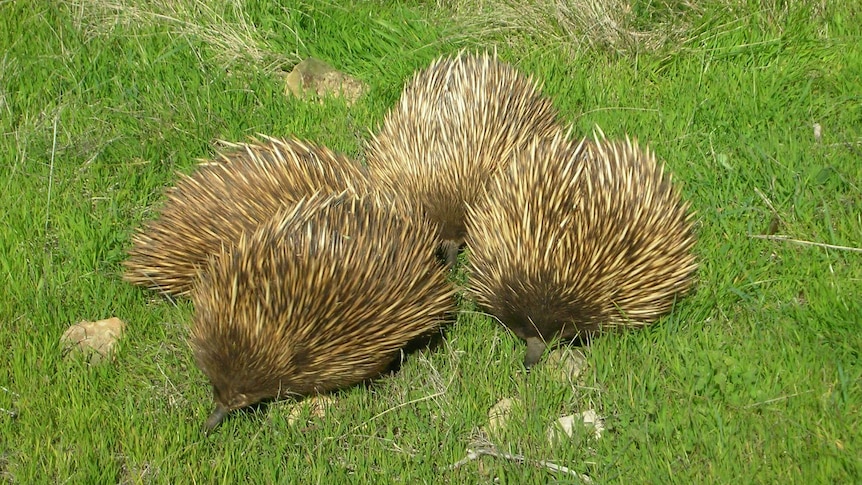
point(95, 339)
point(564, 427)
point(499, 414)
point(566, 364)
point(313, 77)
point(316, 406)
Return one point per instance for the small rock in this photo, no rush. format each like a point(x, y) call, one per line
point(566, 364)
point(818, 132)
point(96, 338)
point(499, 414)
point(316, 406)
point(317, 78)
point(564, 427)
point(593, 420)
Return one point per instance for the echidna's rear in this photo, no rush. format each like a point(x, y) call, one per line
point(211, 207)
point(320, 297)
point(455, 123)
point(575, 237)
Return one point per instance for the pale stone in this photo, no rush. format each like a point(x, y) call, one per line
point(566, 364)
point(98, 338)
point(499, 414)
point(564, 426)
point(316, 406)
point(592, 420)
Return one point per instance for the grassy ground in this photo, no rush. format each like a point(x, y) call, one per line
point(756, 377)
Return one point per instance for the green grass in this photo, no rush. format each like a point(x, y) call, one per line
point(756, 377)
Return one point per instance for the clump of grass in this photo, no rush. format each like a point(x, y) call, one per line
point(576, 25)
point(224, 26)
point(620, 26)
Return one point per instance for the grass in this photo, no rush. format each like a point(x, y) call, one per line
point(755, 377)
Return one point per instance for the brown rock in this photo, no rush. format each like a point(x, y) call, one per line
point(566, 364)
point(313, 77)
point(95, 338)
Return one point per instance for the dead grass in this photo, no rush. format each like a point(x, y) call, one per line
point(576, 25)
point(620, 26)
point(222, 25)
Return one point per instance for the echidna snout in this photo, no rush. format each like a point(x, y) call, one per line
point(215, 419)
point(226, 400)
point(535, 348)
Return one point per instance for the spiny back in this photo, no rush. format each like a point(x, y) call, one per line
point(222, 198)
point(321, 296)
point(577, 237)
point(455, 123)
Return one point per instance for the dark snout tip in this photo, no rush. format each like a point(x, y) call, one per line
point(215, 418)
point(535, 348)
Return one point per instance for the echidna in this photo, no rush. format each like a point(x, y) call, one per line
point(222, 198)
point(576, 237)
point(321, 296)
point(454, 124)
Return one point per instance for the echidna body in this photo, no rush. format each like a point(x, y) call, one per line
point(455, 123)
point(222, 198)
point(319, 297)
point(574, 238)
